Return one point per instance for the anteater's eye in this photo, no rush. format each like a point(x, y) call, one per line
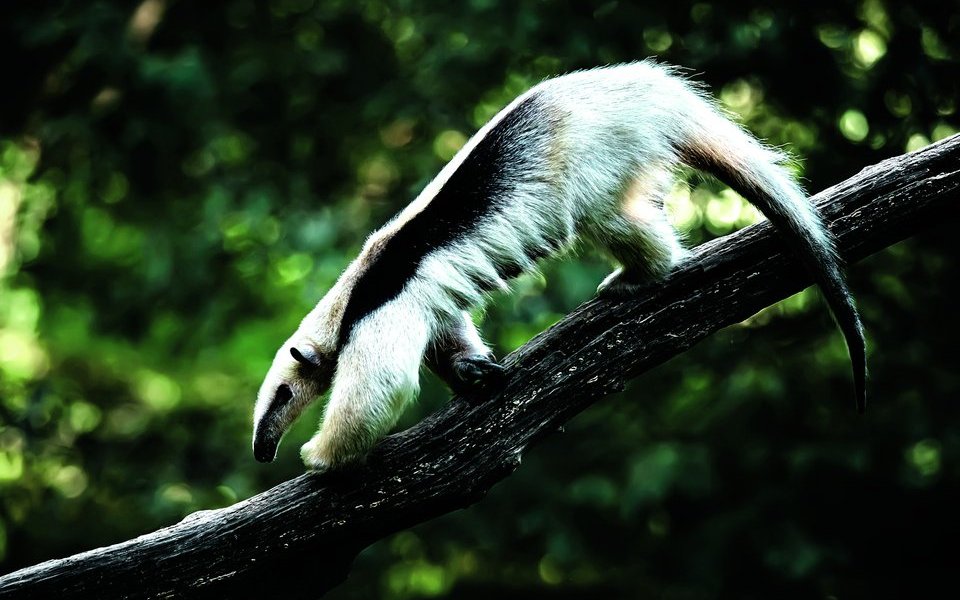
point(284, 394)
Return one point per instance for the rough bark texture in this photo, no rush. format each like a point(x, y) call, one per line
point(300, 538)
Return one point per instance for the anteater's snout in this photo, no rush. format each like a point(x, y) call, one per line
point(264, 449)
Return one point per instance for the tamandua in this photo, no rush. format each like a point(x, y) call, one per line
point(586, 156)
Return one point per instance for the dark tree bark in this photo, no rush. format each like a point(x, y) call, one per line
point(300, 538)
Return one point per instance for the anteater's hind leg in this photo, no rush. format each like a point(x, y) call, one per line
point(639, 237)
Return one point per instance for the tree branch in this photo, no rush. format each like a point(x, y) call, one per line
point(300, 538)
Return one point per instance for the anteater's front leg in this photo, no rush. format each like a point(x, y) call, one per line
point(377, 376)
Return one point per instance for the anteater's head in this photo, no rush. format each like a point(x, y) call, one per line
point(301, 372)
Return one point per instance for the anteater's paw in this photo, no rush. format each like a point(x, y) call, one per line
point(325, 453)
point(477, 370)
point(313, 456)
point(621, 284)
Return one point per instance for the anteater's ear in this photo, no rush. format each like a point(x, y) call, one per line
point(305, 356)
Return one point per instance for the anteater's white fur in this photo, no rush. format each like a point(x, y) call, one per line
point(600, 178)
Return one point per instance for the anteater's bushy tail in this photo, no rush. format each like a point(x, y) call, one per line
point(716, 145)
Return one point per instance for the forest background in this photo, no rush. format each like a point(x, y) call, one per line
point(181, 181)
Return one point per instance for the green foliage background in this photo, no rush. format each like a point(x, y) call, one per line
point(181, 181)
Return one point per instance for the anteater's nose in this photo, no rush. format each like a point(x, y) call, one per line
point(264, 450)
